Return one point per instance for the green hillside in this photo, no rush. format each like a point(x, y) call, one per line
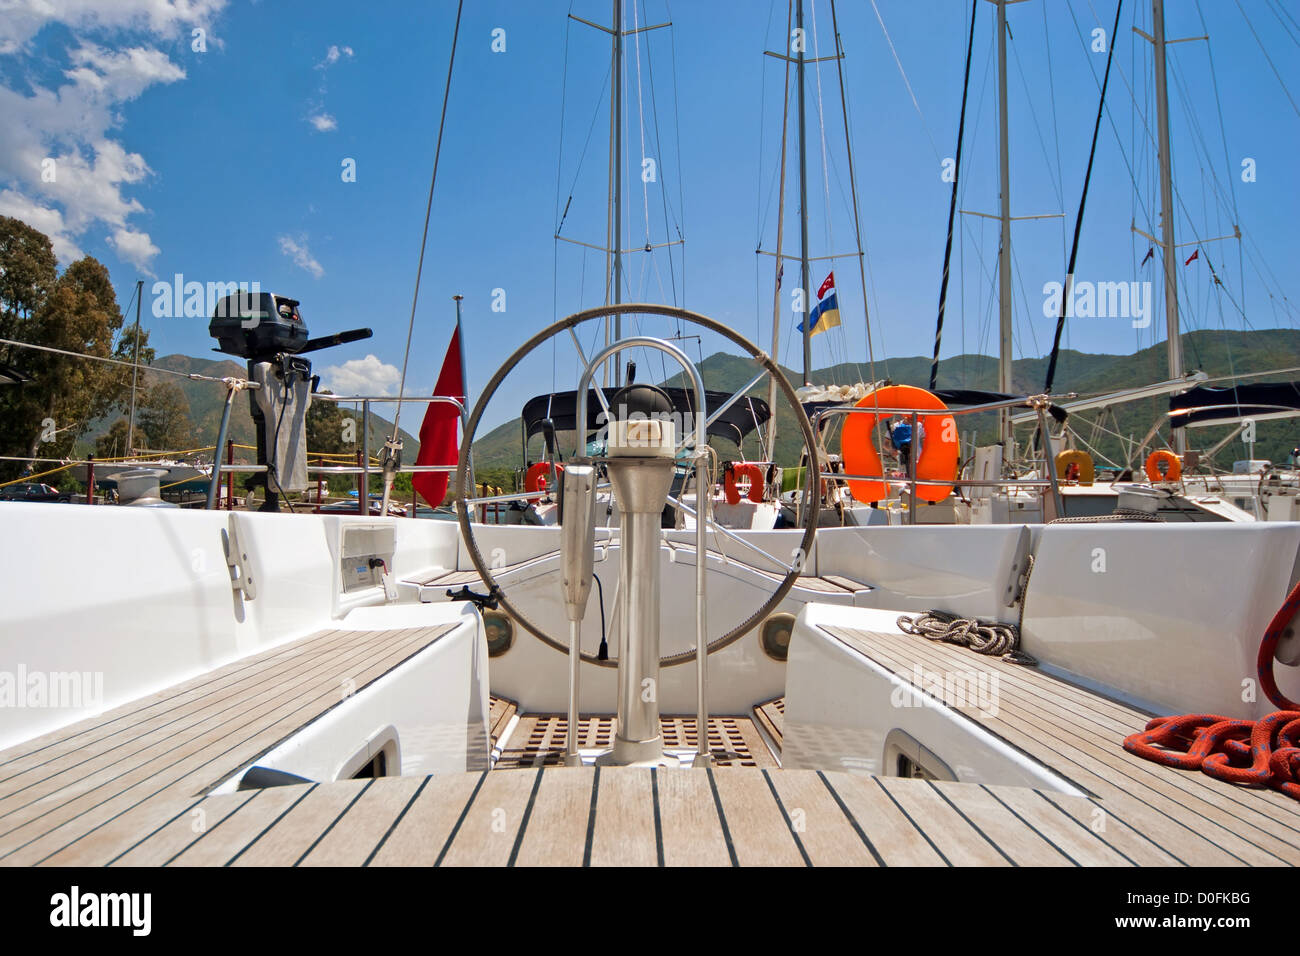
point(1216, 353)
point(207, 399)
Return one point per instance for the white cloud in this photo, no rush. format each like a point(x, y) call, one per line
point(367, 376)
point(47, 220)
point(323, 122)
point(296, 249)
point(333, 55)
point(63, 166)
point(135, 247)
point(23, 19)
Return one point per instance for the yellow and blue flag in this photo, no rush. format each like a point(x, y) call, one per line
point(826, 314)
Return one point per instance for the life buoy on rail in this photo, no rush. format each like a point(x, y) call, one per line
point(1081, 460)
point(742, 469)
point(538, 475)
point(938, 444)
point(1173, 466)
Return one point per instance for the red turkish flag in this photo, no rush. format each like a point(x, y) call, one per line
point(438, 444)
point(828, 284)
point(1194, 255)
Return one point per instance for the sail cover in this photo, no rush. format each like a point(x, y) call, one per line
point(743, 417)
point(1206, 405)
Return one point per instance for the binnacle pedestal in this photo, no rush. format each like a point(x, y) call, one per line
point(641, 472)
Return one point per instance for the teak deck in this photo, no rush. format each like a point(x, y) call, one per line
point(132, 787)
point(588, 816)
point(1183, 817)
point(62, 792)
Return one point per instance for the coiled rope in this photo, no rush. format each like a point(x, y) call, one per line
point(983, 637)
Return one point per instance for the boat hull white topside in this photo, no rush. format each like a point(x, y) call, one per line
point(1169, 616)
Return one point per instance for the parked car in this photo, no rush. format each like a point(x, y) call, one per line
point(33, 491)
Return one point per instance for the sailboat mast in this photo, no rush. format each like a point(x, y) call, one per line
point(1004, 251)
point(1167, 205)
point(618, 176)
point(803, 203)
point(135, 371)
point(780, 239)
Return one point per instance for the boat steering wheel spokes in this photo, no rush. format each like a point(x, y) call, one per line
point(809, 500)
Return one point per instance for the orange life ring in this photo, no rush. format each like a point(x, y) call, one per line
point(538, 475)
point(1072, 456)
point(743, 469)
point(1173, 466)
point(939, 450)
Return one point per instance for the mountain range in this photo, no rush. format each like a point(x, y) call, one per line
point(1216, 353)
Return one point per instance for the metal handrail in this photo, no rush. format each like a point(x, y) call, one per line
point(231, 387)
point(1039, 403)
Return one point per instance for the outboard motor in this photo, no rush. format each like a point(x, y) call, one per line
point(268, 331)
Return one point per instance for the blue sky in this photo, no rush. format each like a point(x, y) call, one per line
point(225, 164)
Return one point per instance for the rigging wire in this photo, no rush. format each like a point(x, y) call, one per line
point(1269, 59)
point(424, 238)
point(952, 201)
point(1083, 199)
point(853, 189)
point(906, 81)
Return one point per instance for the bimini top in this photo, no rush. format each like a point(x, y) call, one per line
point(743, 417)
point(957, 398)
point(1208, 405)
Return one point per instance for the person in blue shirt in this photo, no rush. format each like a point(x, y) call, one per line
point(900, 436)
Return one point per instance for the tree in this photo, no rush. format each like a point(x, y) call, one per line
point(112, 444)
point(164, 418)
point(76, 312)
point(325, 427)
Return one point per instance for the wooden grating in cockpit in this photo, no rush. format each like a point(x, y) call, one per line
point(771, 717)
point(538, 740)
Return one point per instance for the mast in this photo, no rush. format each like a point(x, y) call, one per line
point(135, 371)
point(1167, 206)
point(803, 205)
point(616, 177)
point(1004, 251)
point(780, 239)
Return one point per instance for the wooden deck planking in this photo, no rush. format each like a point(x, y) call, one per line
point(625, 831)
point(1207, 842)
point(422, 830)
point(155, 845)
point(65, 740)
point(43, 819)
point(692, 829)
point(557, 827)
point(1234, 814)
point(306, 823)
point(241, 829)
point(954, 837)
point(881, 824)
point(356, 832)
point(201, 762)
point(69, 777)
point(759, 828)
point(1079, 735)
point(827, 834)
point(675, 817)
point(1098, 726)
point(490, 829)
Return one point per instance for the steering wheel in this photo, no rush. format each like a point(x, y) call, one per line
point(809, 502)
